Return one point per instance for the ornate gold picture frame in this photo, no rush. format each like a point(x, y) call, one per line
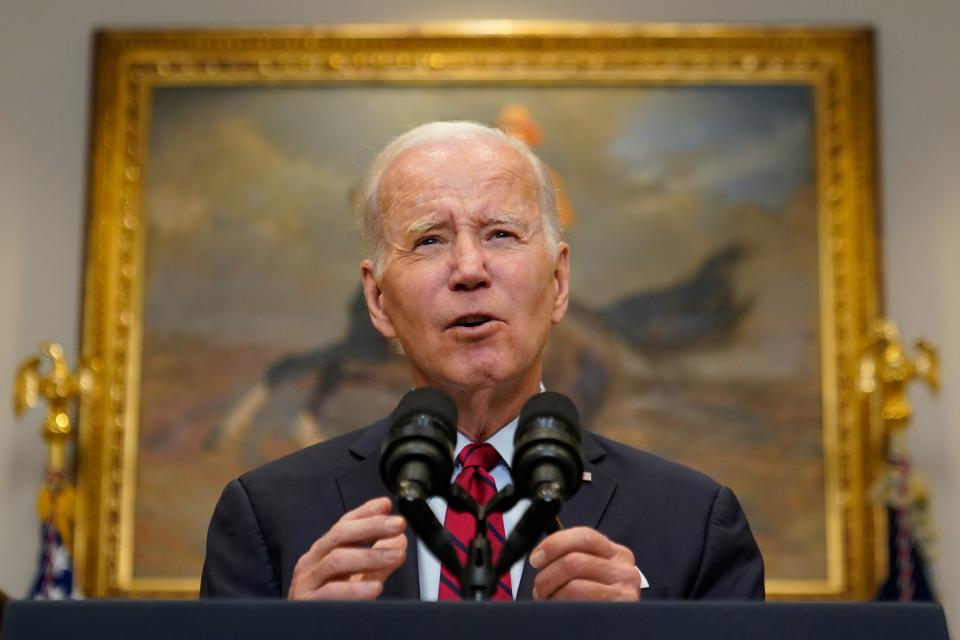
point(220, 257)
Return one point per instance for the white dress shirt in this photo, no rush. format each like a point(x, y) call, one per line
point(428, 564)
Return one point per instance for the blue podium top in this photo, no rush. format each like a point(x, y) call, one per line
point(278, 620)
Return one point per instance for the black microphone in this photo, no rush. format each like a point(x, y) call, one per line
point(547, 460)
point(547, 468)
point(416, 460)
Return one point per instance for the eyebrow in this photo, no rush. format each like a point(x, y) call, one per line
point(422, 226)
point(504, 218)
point(429, 224)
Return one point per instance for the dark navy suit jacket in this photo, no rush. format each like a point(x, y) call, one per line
point(689, 535)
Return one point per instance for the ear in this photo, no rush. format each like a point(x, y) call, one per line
point(374, 297)
point(561, 282)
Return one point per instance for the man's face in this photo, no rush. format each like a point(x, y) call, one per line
point(470, 285)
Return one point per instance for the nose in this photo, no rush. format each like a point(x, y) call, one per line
point(469, 268)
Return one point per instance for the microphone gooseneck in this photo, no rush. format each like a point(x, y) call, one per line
point(416, 462)
point(547, 469)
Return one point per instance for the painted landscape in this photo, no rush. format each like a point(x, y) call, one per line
point(693, 331)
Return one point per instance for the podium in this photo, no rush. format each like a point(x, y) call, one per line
point(278, 620)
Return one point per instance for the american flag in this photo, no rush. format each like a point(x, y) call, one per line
point(55, 576)
point(911, 535)
point(55, 505)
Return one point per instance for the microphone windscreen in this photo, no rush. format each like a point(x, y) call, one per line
point(550, 404)
point(432, 402)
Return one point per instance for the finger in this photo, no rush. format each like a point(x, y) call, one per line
point(396, 542)
point(308, 573)
point(366, 531)
point(347, 563)
point(341, 564)
point(344, 562)
point(352, 532)
point(587, 590)
point(579, 566)
point(376, 506)
point(364, 590)
point(582, 539)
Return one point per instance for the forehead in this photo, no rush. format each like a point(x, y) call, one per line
point(464, 168)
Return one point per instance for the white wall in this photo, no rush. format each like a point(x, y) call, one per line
point(45, 68)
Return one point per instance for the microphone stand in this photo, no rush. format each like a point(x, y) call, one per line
point(412, 505)
point(539, 518)
point(416, 459)
point(478, 576)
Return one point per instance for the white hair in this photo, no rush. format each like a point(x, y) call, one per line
point(368, 197)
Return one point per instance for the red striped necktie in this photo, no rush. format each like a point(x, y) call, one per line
point(477, 459)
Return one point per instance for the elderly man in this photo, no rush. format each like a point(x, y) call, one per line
point(467, 272)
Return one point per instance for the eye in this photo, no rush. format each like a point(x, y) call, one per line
point(502, 233)
point(426, 241)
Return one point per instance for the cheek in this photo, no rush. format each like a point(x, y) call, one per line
point(540, 291)
point(407, 313)
point(412, 294)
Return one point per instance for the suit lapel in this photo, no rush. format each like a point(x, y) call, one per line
point(362, 483)
point(584, 509)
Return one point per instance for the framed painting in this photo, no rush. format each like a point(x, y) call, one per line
point(717, 187)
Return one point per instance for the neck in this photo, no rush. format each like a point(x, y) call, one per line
point(483, 411)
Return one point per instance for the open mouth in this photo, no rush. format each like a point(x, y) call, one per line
point(471, 321)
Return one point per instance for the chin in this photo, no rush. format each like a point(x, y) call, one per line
point(473, 378)
point(460, 372)
point(472, 367)
point(478, 374)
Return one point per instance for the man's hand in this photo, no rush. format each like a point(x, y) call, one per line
point(351, 561)
point(582, 564)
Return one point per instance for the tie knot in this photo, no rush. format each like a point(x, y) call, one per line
point(479, 454)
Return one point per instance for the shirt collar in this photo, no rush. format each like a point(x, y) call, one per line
point(502, 440)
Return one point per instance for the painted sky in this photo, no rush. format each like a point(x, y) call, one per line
point(251, 238)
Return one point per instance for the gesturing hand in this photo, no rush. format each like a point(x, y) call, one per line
point(351, 560)
point(582, 564)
